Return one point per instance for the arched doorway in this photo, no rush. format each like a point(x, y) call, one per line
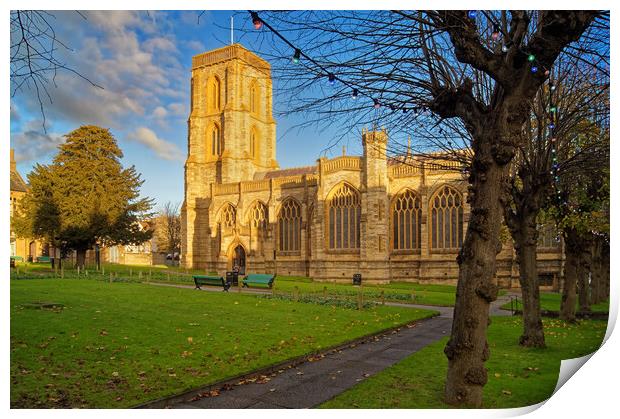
point(237, 258)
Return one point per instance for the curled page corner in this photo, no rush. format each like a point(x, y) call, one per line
point(568, 367)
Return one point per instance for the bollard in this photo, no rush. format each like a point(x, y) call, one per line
point(324, 292)
point(168, 273)
point(140, 276)
point(359, 301)
point(130, 272)
point(296, 294)
point(150, 275)
point(78, 271)
point(102, 269)
point(382, 298)
point(85, 272)
point(413, 296)
point(110, 277)
point(62, 271)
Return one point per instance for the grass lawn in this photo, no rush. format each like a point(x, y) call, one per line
point(551, 301)
point(405, 292)
point(120, 344)
point(517, 376)
point(427, 294)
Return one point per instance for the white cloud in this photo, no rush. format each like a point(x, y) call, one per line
point(32, 144)
point(133, 56)
point(164, 149)
point(160, 112)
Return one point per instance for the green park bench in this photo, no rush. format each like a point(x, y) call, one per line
point(210, 280)
point(43, 259)
point(17, 258)
point(259, 279)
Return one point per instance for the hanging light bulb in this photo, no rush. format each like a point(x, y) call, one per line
point(377, 103)
point(534, 69)
point(256, 21)
point(331, 79)
point(531, 58)
point(553, 109)
point(553, 139)
point(472, 14)
point(296, 56)
point(547, 72)
point(495, 33)
point(551, 125)
point(552, 87)
point(504, 48)
point(355, 94)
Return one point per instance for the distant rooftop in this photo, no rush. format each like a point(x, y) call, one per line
point(293, 171)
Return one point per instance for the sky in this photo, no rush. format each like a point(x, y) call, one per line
point(142, 61)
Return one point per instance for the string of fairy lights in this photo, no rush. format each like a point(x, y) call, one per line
point(497, 35)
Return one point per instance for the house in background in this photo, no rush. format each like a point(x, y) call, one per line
point(22, 247)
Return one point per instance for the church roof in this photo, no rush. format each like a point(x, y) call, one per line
point(17, 182)
point(293, 171)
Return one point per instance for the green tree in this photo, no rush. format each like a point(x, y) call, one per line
point(85, 197)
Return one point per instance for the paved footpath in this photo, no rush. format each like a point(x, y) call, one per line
point(314, 382)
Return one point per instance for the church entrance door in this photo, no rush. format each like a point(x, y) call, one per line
point(238, 259)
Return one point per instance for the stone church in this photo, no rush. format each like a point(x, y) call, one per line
point(368, 214)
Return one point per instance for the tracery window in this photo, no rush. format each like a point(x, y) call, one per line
point(289, 226)
point(446, 209)
point(258, 221)
point(216, 141)
point(344, 213)
point(258, 216)
point(228, 216)
point(548, 236)
point(406, 221)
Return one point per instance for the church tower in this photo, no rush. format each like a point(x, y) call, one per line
point(231, 127)
point(231, 133)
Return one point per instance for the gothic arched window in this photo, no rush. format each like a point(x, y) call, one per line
point(406, 221)
point(254, 98)
point(228, 216)
point(215, 88)
point(216, 141)
point(289, 226)
point(344, 213)
point(446, 208)
point(258, 220)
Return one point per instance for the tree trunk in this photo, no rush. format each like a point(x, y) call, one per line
point(583, 273)
point(467, 350)
point(569, 292)
point(80, 258)
point(605, 262)
point(533, 334)
point(596, 295)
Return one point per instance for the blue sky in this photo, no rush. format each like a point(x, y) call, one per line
point(142, 60)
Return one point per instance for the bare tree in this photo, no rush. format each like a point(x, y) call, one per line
point(564, 136)
point(35, 60)
point(168, 229)
point(464, 75)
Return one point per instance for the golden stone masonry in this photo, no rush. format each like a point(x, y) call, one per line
point(367, 214)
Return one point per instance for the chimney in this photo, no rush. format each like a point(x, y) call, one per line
point(13, 166)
